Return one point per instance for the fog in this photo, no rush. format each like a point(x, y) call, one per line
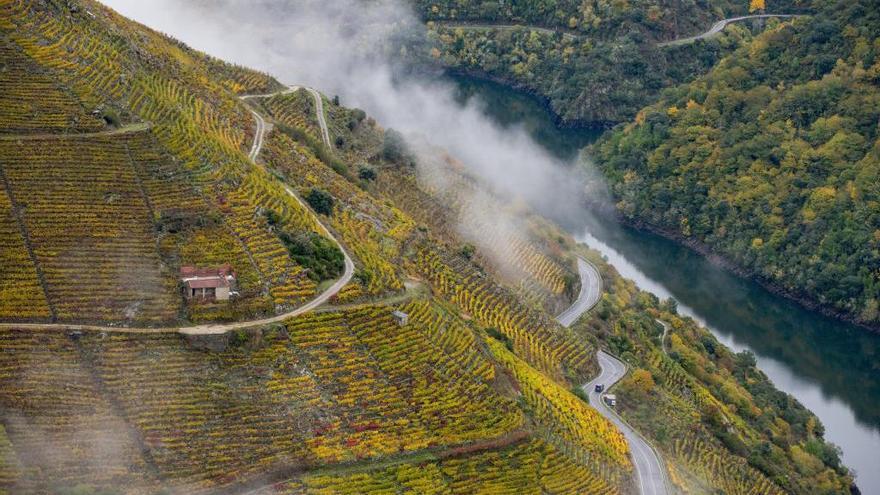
point(349, 48)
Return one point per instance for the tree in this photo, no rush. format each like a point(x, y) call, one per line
point(756, 5)
point(366, 173)
point(320, 201)
point(394, 148)
point(642, 382)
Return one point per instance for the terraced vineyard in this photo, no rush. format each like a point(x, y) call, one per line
point(373, 232)
point(545, 345)
point(568, 422)
point(531, 467)
point(204, 182)
point(62, 427)
point(330, 387)
point(21, 293)
point(31, 101)
point(295, 109)
point(90, 225)
point(444, 198)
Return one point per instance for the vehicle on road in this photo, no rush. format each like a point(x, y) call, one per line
point(599, 387)
point(610, 400)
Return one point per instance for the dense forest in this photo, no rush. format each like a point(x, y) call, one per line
point(594, 62)
point(772, 159)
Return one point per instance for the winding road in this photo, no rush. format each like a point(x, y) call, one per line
point(650, 471)
point(259, 135)
point(649, 468)
point(591, 291)
point(262, 129)
point(665, 333)
point(715, 29)
point(719, 26)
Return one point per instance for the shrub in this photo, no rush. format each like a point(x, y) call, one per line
point(366, 173)
point(395, 150)
point(320, 201)
point(319, 255)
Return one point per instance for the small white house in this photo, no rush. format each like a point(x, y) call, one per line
point(400, 317)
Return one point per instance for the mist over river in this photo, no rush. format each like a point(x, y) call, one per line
point(833, 368)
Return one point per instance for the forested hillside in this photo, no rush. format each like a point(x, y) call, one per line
point(771, 160)
point(595, 62)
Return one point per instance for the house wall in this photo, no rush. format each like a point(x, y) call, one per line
point(222, 294)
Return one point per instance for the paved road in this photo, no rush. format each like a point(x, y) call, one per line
point(715, 29)
point(260, 134)
point(665, 332)
point(719, 26)
point(649, 468)
point(591, 291)
point(650, 471)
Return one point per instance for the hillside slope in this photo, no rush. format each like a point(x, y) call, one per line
point(771, 160)
point(178, 191)
point(593, 62)
point(471, 394)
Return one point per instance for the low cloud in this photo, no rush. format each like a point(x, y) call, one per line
point(350, 48)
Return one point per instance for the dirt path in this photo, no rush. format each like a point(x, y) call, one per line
point(262, 129)
point(128, 129)
point(264, 484)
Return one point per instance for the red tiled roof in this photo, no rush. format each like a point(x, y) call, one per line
point(205, 278)
point(192, 271)
point(207, 283)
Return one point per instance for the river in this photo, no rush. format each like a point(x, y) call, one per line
point(831, 367)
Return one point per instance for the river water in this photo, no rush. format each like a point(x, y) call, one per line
point(833, 368)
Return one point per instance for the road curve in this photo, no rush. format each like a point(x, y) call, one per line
point(591, 290)
point(715, 29)
point(719, 26)
point(665, 333)
point(319, 110)
point(348, 273)
point(650, 472)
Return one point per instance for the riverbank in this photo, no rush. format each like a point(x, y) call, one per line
point(828, 365)
point(534, 94)
point(718, 259)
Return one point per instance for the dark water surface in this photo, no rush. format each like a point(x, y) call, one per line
point(833, 368)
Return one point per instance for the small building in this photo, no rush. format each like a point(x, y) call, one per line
point(400, 317)
point(610, 399)
point(210, 284)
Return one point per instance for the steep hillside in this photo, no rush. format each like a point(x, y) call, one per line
point(474, 389)
point(596, 62)
point(124, 159)
point(771, 160)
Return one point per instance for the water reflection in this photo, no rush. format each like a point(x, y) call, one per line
point(831, 367)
